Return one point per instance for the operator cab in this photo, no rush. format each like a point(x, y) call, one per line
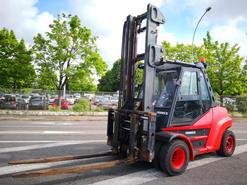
point(181, 94)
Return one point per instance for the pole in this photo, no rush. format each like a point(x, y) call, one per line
point(193, 38)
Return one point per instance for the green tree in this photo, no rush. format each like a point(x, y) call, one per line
point(111, 81)
point(224, 68)
point(67, 48)
point(243, 78)
point(82, 80)
point(182, 52)
point(46, 79)
point(16, 68)
point(224, 64)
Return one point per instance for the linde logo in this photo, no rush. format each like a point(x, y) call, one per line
point(190, 132)
point(163, 113)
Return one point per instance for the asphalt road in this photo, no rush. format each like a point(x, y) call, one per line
point(29, 139)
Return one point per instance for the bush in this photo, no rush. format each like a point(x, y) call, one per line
point(229, 107)
point(99, 109)
point(82, 106)
point(242, 104)
point(54, 108)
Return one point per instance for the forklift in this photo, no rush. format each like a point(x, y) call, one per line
point(170, 117)
point(167, 119)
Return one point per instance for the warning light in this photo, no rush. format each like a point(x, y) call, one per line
point(202, 59)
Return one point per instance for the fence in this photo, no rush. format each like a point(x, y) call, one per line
point(41, 99)
point(63, 93)
point(234, 104)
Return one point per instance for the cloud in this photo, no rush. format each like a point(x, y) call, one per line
point(227, 21)
point(24, 18)
point(231, 32)
point(221, 9)
point(106, 19)
point(228, 9)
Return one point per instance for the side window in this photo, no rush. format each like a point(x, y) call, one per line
point(188, 105)
point(189, 84)
point(206, 101)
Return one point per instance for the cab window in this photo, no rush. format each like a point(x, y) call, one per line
point(188, 106)
point(205, 97)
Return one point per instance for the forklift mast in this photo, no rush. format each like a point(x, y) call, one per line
point(146, 22)
point(131, 127)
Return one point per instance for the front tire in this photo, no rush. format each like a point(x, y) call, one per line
point(228, 143)
point(174, 157)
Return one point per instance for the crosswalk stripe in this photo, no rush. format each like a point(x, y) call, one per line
point(62, 141)
point(48, 132)
point(145, 176)
point(50, 141)
point(49, 145)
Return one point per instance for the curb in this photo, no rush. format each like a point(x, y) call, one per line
point(49, 113)
point(52, 116)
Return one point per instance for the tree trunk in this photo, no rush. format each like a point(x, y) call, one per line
point(221, 100)
point(60, 93)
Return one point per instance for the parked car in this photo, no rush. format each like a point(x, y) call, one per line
point(35, 94)
point(77, 96)
point(38, 102)
point(26, 98)
point(52, 99)
point(97, 99)
point(21, 104)
point(114, 100)
point(64, 103)
point(8, 101)
point(70, 99)
point(106, 103)
point(89, 96)
point(1, 99)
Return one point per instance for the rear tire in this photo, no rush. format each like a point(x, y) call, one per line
point(174, 157)
point(228, 143)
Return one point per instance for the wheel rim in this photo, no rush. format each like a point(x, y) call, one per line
point(178, 158)
point(229, 144)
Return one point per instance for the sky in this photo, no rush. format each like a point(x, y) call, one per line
point(226, 22)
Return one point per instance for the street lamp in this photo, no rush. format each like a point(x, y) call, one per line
point(207, 10)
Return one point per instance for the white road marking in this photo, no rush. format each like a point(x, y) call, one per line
point(53, 141)
point(52, 126)
point(33, 147)
point(44, 123)
point(48, 132)
point(145, 176)
point(64, 141)
point(6, 170)
point(240, 131)
point(133, 178)
point(25, 126)
point(58, 132)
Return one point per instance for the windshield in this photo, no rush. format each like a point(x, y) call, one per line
point(164, 88)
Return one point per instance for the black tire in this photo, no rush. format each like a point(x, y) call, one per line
point(169, 152)
point(228, 143)
point(156, 161)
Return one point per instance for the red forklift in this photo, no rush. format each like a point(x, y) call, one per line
point(171, 116)
point(167, 119)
